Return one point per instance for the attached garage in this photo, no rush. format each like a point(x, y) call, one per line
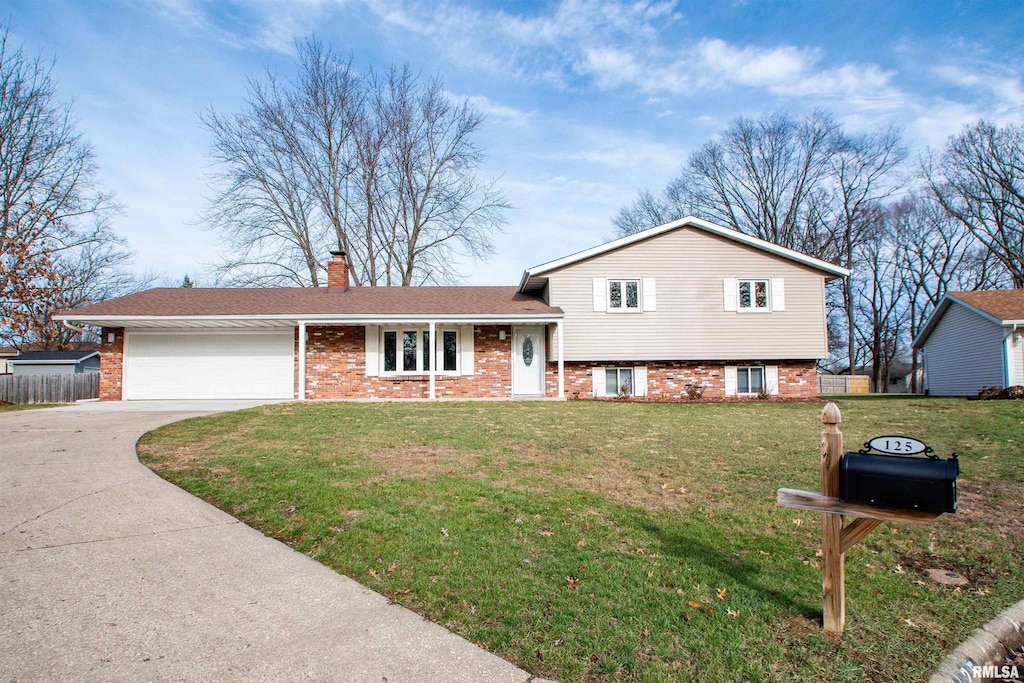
point(209, 365)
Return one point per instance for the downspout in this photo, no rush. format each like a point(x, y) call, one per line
point(75, 328)
point(1008, 355)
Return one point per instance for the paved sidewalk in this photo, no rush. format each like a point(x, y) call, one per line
point(107, 572)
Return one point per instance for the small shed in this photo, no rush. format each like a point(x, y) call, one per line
point(974, 340)
point(55, 362)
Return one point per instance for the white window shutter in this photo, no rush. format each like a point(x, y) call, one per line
point(649, 295)
point(778, 294)
point(730, 294)
point(640, 380)
point(731, 383)
point(600, 296)
point(771, 379)
point(466, 338)
point(598, 375)
point(372, 350)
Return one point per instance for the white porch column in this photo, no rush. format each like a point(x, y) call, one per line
point(433, 360)
point(302, 361)
point(1008, 355)
point(561, 360)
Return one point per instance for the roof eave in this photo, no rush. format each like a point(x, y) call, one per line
point(52, 361)
point(353, 318)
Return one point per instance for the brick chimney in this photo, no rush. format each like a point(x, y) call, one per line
point(337, 270)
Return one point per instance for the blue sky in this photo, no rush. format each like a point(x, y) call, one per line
point(588, 101)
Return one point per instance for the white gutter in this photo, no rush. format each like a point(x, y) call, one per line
point(320, 319)
point(58, 361)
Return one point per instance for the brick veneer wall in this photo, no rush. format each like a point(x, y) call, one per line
point(669, 380)
point(336, 368)
point(112, 364)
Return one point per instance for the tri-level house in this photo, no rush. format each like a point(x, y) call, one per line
point(684, 309)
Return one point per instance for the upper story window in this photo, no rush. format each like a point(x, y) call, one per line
point(623, 295)
point(750, 295)
point(753, 295)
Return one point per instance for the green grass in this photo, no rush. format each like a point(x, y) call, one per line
point(11, 407)
point(591, 541)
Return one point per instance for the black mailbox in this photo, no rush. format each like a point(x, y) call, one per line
point(927, 484)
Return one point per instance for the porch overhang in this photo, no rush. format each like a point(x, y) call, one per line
point(431, 321)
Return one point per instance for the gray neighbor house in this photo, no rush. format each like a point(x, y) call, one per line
point(973, 340)
point(55, 362)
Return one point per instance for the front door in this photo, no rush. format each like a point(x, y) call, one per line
point(528, 360)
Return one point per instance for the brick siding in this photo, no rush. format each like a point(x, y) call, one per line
point(336, 368)
point(111, 364)
point(669, 380)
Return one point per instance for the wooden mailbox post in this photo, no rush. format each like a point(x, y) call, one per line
point(837, 537)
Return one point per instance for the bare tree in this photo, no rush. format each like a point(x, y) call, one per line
point(380, 167)
point(861, 175)
point(53, 213)
point(766, 178)
point(979, 180)
point(265, 209)
point(880, 299)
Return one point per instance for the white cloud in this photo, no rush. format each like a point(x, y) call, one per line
point(496, 110)
point(995, 82)
point(756, 66)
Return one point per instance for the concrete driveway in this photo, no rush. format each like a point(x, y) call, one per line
point(107, 572)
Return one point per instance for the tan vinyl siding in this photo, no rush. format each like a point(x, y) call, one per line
point(963, 354)
point(690, 322)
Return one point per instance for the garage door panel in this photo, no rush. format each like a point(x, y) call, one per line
point(205, 365)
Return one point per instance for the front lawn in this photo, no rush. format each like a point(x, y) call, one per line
point(591, 541)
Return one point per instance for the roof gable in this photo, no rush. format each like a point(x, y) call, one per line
point(1000, 306)
point(688, 222)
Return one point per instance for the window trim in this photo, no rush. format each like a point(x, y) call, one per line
point(639, 308)
point(437, 355)
point(767, 308)
point(617, 370)
point(740, 369)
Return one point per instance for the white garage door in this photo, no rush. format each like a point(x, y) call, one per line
point(209, 365)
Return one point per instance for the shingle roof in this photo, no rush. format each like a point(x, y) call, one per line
point(69, 356)
point(1002, 304)
point(307, 301)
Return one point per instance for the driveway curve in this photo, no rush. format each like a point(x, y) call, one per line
point(107, 572)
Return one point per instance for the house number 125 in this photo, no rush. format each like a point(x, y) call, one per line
point(897, 445)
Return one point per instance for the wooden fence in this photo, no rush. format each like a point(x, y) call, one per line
point(844, 384)
point(62, 388)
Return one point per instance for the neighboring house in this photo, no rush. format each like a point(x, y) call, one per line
point(6, 354)
point(55, 362)
point(973, 340)
point(687, 306)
